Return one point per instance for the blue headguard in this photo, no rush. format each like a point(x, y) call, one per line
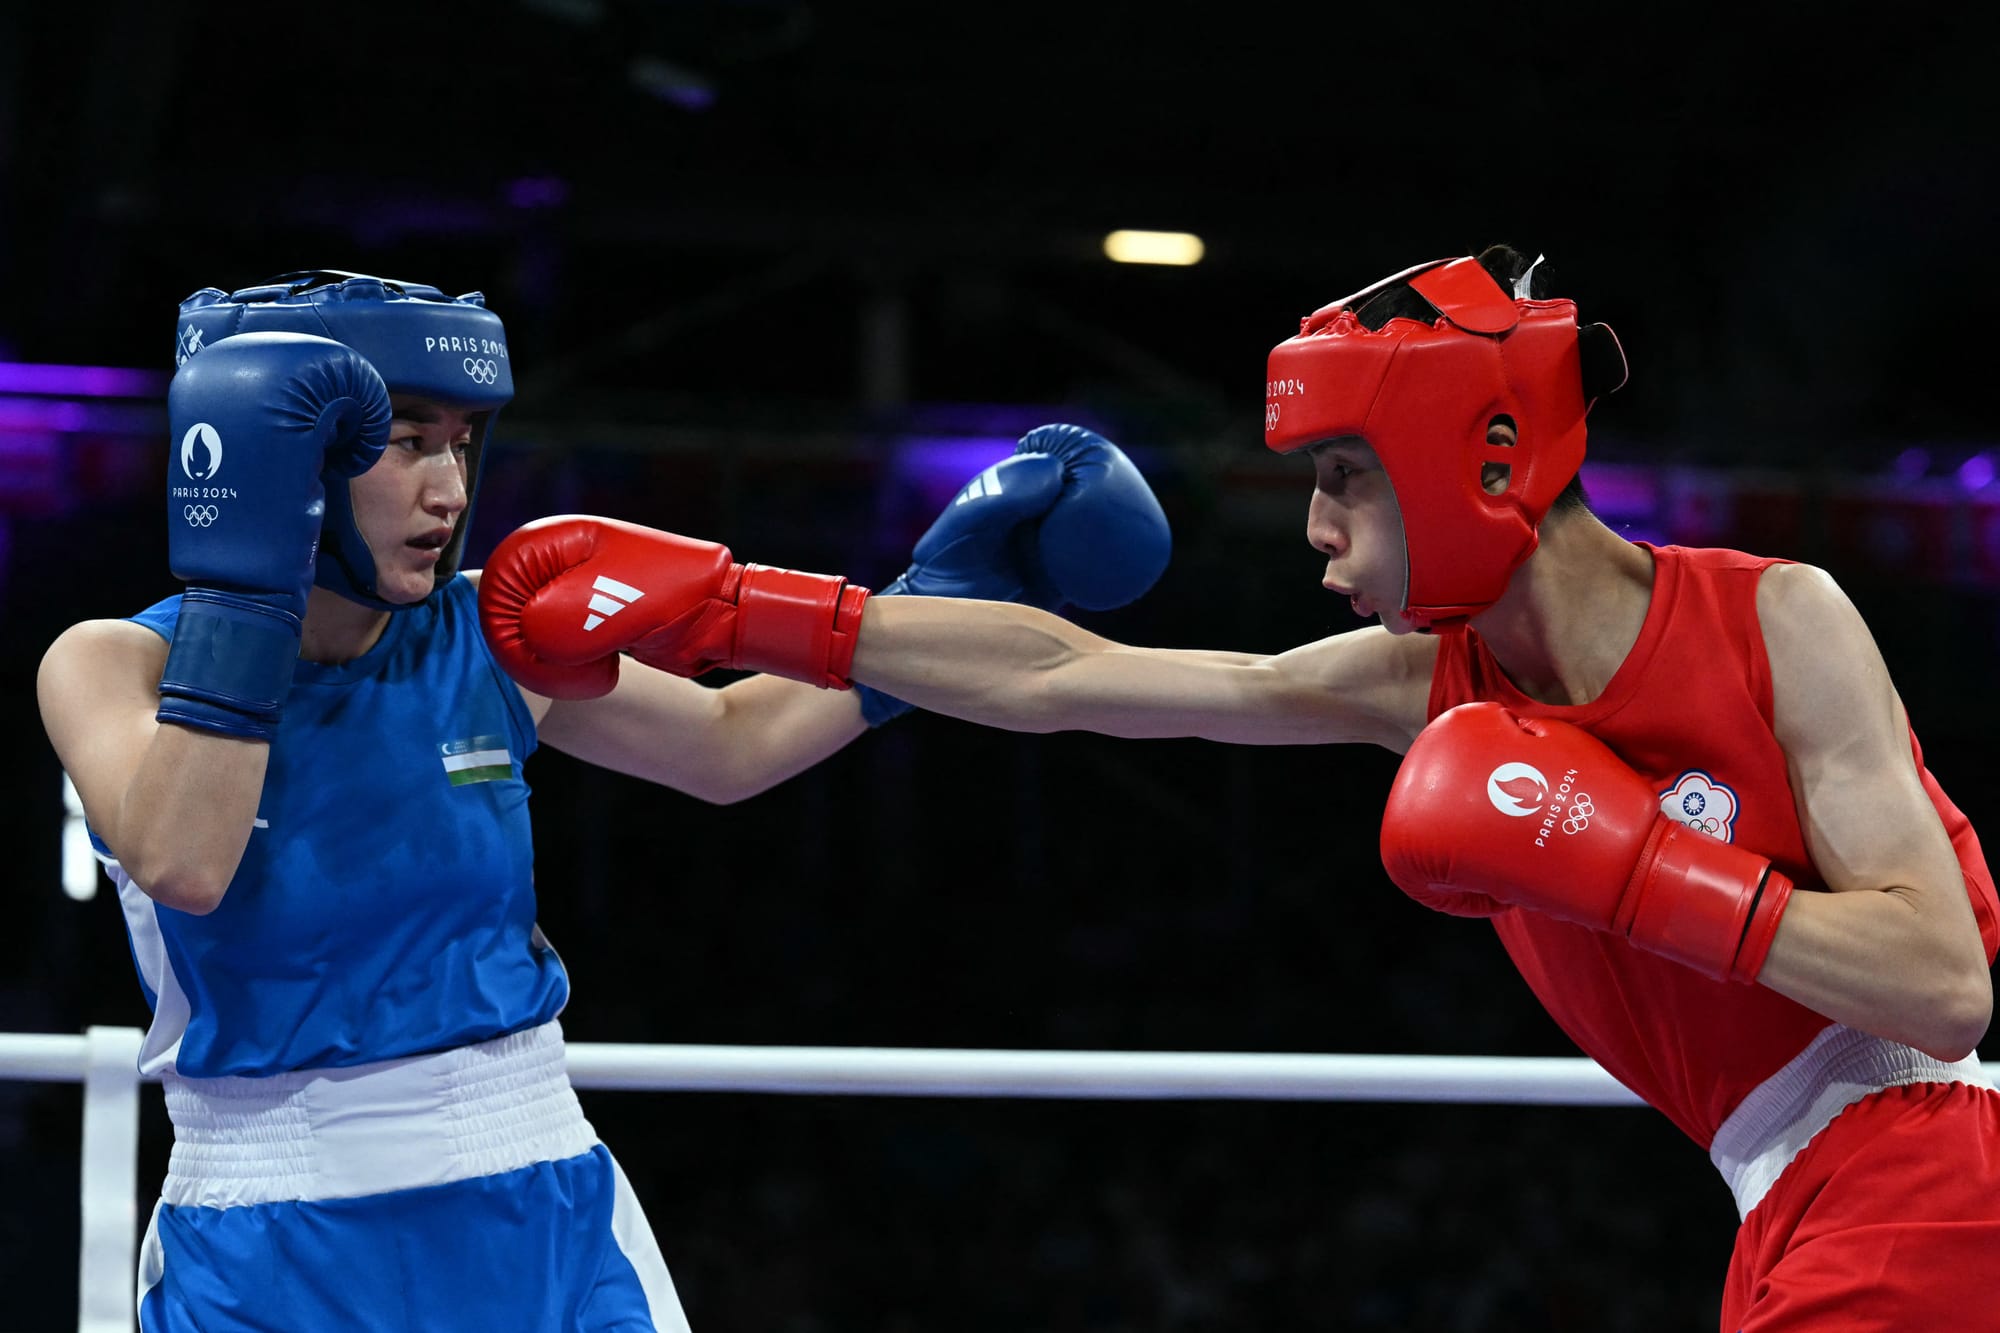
point(451, 350)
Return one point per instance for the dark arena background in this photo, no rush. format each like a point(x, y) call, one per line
point(783, 275)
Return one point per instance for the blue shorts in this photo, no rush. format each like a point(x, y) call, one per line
point(538, 1248)
point(459, 1191)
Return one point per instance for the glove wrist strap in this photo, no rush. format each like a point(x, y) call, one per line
point(1709, 905)
point(230, 665)
point(801, 626)
point(1763, 927)
point(846, 634)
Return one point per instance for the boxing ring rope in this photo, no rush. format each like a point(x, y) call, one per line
point(105, 1061)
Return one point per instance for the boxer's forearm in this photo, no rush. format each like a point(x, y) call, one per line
point(1026, 670)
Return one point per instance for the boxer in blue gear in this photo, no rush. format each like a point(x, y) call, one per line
point(304, 774)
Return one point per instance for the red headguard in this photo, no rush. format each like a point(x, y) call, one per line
point(1422, 395)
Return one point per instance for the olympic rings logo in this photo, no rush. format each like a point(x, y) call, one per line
point(1579, 814)
point(482, 370)
point(200, 516)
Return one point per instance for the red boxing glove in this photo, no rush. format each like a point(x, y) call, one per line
point(562, 597)
point(1491, 810)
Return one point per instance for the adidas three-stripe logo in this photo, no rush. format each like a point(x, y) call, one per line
point(609, 599)
point(986, 483)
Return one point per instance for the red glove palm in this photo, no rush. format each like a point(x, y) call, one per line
point(562, 597)
point(1491, 810)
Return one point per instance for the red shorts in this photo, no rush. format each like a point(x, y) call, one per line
point(1888, 1220)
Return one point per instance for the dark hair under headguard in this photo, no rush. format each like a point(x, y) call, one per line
point(450, 350)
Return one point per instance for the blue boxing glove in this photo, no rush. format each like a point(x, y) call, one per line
point(1066, 521)
point(256, 420)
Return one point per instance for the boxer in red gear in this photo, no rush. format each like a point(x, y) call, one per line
point(1685, 789)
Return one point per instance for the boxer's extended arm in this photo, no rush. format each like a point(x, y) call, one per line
point(1025, 670)
point(1894, 949)
point(174, 803)
point(1066, 519)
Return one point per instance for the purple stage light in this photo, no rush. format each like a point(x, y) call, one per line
point(938, 467)
point(1976, 472)
point(1623, 490)
point(968, 419)
point(1912, 463)
point(68, 432)
point(538, 192)
point(69, 417)
point(82, 381)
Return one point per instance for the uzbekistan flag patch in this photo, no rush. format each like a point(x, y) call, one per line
point(477, 759)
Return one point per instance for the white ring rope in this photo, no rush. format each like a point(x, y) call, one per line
point(908, 1072)
point(935, 1072)
point(921, 1072)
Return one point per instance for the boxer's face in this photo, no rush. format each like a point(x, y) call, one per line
point(408, 505)
point(1354, 522)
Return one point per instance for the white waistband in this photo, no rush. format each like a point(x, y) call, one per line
point(396, 1124)
point(1837, 1068)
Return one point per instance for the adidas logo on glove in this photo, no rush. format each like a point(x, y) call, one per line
point(609, 599)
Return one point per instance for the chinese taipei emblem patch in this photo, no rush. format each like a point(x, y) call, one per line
point(1699, 801)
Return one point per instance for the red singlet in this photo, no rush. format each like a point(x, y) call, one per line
point(1909, 1175)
